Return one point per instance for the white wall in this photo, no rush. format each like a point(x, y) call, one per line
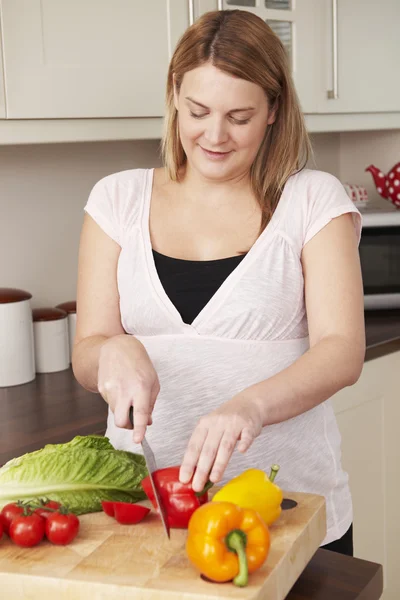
point(43, 189)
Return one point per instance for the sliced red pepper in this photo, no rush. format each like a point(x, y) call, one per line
point(179, 499)
point(108, 507)
point(129, 514)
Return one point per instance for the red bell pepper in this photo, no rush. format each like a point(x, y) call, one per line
point(125, 512)
point(179, 499)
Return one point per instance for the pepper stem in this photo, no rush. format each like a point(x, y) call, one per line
point(205, 489)
point(236, 541)
point(274, 471)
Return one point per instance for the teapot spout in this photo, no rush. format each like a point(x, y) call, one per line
point(380, 180)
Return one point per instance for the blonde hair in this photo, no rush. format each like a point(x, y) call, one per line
point(243, 45)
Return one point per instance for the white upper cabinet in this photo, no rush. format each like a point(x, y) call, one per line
point(295, 24)
point(91, 58)
point(359, 45)
point(2, 95)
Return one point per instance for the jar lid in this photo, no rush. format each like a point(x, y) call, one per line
point(8, 295)
point(69, 307)
point(48, 314)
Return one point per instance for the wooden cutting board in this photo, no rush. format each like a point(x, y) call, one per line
point(108, 561)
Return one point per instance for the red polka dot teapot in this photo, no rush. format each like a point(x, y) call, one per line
point(388, 186)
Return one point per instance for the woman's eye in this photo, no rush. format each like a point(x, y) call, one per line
point(241, 121)
point(196, 116)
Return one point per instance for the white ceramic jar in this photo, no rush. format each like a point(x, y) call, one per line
point(70, 309)
point(50, 330)
point(17, 361)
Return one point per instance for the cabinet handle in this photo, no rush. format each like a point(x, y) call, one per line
point(333, 94)
point(191, 12)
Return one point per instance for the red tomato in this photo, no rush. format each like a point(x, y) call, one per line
point(61, 528)
point(27, 530)
point(108, 507)
point(1, 528)
point(129, 514)
point(9, 512)
point(42, 512)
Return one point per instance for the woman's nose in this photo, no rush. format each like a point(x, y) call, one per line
point(216, 132)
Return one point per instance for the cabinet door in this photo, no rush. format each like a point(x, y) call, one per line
point(295, 24)
point(2, 96)
point(74, 59)
point(363, 40)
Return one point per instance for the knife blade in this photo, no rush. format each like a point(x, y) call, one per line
point(151, 468)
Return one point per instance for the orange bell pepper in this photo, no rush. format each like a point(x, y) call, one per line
point(227, 542)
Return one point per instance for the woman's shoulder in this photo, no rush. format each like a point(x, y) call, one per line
point(124, 179)
point(315, 197)
point(314, 179)
point(116, 201)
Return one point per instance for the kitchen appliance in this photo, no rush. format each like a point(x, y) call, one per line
point(152, 468)
point(50, 330)
point(380, 256)
point(17, 358)
point(116, 562)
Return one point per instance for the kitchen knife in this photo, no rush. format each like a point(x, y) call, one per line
point(152, 467)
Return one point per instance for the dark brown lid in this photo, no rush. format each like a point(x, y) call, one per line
point(48, 314)
point(69, 307)
point(8, 295)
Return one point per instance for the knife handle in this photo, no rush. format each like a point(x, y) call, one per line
point(131, 415)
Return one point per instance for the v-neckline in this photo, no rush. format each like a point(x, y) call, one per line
point(227, 285)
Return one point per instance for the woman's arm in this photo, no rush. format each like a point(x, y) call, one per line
point(98, 315)
point(335, 312)
point(105, 359)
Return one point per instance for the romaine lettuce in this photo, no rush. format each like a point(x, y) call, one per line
point(78, 474)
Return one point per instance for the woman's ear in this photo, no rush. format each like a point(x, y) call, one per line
point(272, 113)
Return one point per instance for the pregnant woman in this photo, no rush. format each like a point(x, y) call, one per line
point(220, 295)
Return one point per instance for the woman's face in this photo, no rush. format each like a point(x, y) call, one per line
point(222, 122)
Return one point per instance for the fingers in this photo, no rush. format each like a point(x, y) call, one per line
point(225, 451)
point(141, 396)
point(192, 454)
point(209, 452)
point(142, 409)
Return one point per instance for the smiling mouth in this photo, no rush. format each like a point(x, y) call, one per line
point(214, 151)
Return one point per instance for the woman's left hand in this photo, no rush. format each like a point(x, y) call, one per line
point(214, 439)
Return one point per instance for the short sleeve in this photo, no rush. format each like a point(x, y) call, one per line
point(101, 207)
point(326, 200)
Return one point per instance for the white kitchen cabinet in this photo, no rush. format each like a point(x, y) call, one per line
point(2, 96)
point(363, 40)
point(368, 416)
point(295, 24)
point(74, 59)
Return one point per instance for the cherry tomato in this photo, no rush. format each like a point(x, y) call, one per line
point(61, 528)
point(1, 528)
point(42, 512)
point(9, 512)
point(27, 530)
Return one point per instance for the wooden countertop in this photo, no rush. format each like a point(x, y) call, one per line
point(54, 408)
point(382, 329)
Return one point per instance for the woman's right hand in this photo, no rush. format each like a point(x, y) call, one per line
point(126, 377)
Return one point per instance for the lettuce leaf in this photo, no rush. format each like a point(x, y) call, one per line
point(79, 474)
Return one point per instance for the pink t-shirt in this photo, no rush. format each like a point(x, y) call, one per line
point(253, 327)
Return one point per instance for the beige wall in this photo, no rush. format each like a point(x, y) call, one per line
point(43, 189)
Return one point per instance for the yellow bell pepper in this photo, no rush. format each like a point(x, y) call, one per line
point(254, 489)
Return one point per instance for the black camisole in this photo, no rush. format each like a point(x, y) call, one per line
point(190, 284)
